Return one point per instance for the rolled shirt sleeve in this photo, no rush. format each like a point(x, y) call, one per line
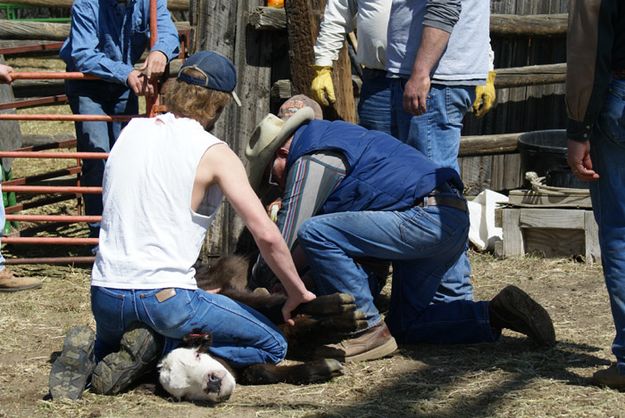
point(82, 51)
point(167, 41)
point(338, 20)
point(442, 14)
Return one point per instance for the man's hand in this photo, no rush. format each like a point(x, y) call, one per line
point(154, 65)
point(139, 83)
point(322, 88)
point(293, 302)
point(578, 157)
point(416, 92)
point(273, 208)
point(485, 96)
point(5, 74)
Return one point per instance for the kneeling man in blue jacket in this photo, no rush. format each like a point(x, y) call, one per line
point(349, 193)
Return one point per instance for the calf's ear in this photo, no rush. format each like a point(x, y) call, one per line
point(199, 340)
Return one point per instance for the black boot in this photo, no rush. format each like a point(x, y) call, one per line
point(514, 309)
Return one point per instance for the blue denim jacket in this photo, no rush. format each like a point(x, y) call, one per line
point(108, 37)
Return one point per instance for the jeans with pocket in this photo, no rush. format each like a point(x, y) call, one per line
point(97, 98)
point(240, 335)
point(422, 243)
point(374, 104)
point(607, 150)
point(436, 133)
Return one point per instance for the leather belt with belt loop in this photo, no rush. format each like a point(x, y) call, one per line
point(436, 200)
point(619, 74)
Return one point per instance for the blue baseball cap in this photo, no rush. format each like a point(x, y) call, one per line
point(217, 71)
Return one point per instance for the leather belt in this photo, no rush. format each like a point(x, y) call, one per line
point(619, 74)
point(436, 200)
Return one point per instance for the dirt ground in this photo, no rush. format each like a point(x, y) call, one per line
point(509, 378)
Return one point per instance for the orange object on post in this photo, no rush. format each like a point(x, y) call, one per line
point(279, 4)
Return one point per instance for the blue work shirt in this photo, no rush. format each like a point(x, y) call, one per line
point(107, 38)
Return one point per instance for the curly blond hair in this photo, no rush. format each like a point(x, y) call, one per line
point(194, 102)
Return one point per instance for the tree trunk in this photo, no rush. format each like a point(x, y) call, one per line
point(303, 28)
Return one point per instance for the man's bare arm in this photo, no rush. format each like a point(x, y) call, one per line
point(228, 172)
point(433, 44)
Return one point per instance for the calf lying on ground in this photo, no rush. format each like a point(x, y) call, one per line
point(189, 372)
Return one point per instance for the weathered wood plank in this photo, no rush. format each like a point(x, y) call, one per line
point(268, 18)
point(171, 4)
point(552, 218)
point(512, 236)
point(540, 199)
point(528, 25)
point(21, 30)
point(591, 238)
point(488, 144)
point(530, 75)
point(554, 242)
point(216, 30)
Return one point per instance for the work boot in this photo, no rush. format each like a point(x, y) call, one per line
point(139, 350)
point(374, 343)
point(610, 377)
point(72, 368)
point(10, 283)
point(514, 309)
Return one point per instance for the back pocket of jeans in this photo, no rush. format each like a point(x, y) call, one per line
point(171, 313)
point(611, 120)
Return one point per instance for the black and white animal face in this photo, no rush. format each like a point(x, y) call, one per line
point(189, 373)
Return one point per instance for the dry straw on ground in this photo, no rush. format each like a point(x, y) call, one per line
point(510, 378)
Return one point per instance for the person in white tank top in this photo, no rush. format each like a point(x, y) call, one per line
point(163, 183)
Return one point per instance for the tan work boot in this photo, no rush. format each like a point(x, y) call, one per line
point(10, 283)
point(372, 344)
point(609, 377)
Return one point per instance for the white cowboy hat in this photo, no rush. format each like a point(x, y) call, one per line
point(270, 134)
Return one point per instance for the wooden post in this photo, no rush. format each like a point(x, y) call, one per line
point(303, 26)
point(222, 26)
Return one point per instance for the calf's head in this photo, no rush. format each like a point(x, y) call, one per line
point(191, 373)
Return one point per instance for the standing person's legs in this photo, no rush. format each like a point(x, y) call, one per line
point(608, 201)
point(91, 137)
point(374, 104)
point(437, 135)
point(98, 98)
point(332, 241)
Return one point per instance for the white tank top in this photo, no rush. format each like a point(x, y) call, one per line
point(149, 237)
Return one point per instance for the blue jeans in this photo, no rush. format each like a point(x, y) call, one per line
point(437, 135)
point(422, 244)
point(241, 335)
point(374, 105)
point(98, 98)
point(607, 148)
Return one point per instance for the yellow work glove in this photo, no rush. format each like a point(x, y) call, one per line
point(321, 88)
point(485, 96)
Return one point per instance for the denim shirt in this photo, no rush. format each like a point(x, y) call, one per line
point(107, 37)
